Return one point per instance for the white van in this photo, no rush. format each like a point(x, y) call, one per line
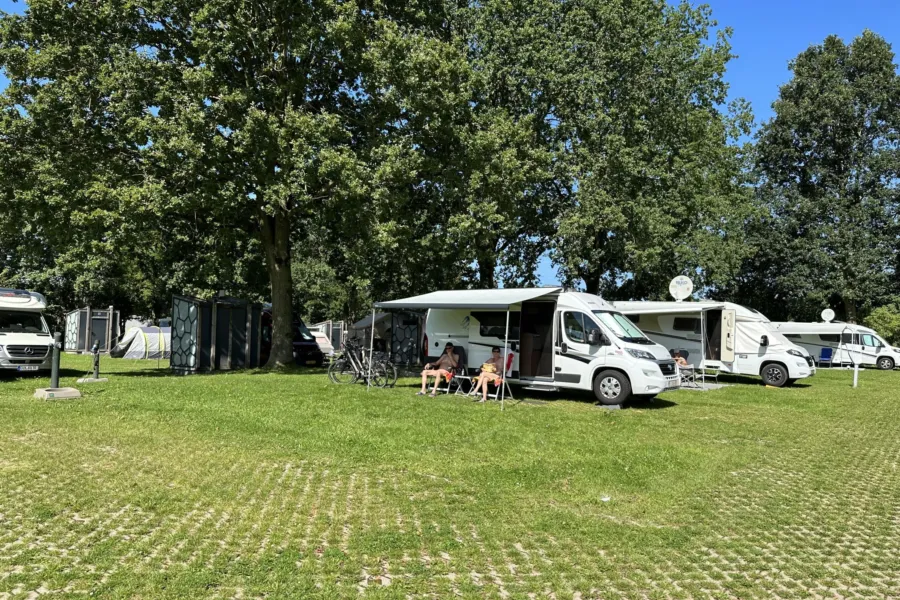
point(25, 340)
point(558, 339)
point(724, 336)
point(850, 344)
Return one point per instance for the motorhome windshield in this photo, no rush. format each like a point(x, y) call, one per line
point(303, 332)
point(15, 321)
point(621, 327)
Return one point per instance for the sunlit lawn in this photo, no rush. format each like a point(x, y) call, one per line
point(287, 486)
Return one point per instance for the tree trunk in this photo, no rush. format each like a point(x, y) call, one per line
point(275, 233)
point(850, 307)
point(592, 282)
point(486, 267)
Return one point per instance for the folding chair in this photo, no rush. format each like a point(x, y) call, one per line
point(826, 355)
point(458, 375)
point(502, 383)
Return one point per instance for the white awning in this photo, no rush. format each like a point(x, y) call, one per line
point(477, 299)
point(665, 308)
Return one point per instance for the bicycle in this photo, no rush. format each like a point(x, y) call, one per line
point(353, 365)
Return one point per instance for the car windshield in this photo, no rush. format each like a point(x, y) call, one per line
point(14, 321)
point(303, 332)
point(622, 327)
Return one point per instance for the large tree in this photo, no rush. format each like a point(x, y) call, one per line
point(638, 101)
point(829, 162)
point(223, 126)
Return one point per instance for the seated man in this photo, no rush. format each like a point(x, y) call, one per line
point(491, 371)
point(679, 359)
point(442, 367)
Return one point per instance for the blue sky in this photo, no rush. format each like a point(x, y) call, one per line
point(767, 35)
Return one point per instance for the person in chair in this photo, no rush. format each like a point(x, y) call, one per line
point(491, 372)
point(442, 368)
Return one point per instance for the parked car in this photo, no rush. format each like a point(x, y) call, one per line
point(306, 350)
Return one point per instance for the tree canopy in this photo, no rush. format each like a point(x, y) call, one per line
point(325, 154)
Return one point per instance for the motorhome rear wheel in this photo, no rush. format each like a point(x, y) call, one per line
point(775, 375)
point(886, 363)
point(611, 387)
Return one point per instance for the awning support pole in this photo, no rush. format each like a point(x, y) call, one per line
point(371, 351)
point(702, 348)
point(503, 372)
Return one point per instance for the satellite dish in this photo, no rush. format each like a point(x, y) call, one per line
point(828, 315)
point(681, 288)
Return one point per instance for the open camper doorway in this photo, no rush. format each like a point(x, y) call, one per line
point(712, 326)
point(536, 342)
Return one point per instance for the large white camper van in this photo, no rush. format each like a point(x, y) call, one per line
point(724, 336)
point(849, 344)
point(558, 339)
point(25, 340)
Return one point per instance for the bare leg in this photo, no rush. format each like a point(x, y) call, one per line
point(424, 380)
point(437, 382)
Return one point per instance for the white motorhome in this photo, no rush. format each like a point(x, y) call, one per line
point(723, 336)
point(25, 340)
point(850, 344)
point(558, 339)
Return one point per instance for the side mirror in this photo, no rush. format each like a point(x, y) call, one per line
point(595, 338)
point(764, 341)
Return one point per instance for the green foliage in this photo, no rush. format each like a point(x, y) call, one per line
point(829, 163)
point(886, 321)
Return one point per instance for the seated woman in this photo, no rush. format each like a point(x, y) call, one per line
point(442, 367)
point(491, 372)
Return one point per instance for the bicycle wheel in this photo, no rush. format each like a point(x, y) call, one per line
point(391, 373)
point(381, 376)
point(341, 371)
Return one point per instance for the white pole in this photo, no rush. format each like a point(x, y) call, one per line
point(503, 368)
point(371, 351)
point(702, 348)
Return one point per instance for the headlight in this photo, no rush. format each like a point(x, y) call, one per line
point(640, 354)
point(795, 353)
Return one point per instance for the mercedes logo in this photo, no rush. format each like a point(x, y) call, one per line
point(29, 350)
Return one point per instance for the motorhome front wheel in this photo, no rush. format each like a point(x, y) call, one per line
point(611, 387)
point(886, 363)
point(775, 375)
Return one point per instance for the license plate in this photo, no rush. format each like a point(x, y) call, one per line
point(672, 384)
point(28, 368)
point(311, 362)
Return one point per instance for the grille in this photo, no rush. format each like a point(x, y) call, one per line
point(667, 367)
point(27, 351)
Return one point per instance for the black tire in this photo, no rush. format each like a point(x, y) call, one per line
point(341, 371)
point(886, 363)
point(774, 374)
point(611, 387)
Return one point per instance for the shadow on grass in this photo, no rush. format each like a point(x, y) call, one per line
point(750, 380)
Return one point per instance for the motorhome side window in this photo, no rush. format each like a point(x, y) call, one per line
point(573, 323)
point(493, 324)
point(831, 338)
point(849, 338)
point(691, 324)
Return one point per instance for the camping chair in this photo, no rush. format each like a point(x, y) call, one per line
point(826, 355)
point(688, 376)
point(457, 375)
point(502, 383)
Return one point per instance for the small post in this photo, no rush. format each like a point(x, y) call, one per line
point(371, 351)
point(54, 392)
point(96, 351)
point(54, 365)
point(855, 374)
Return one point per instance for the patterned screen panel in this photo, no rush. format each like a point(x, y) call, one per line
point(72, 323)
point(405, 338)
point(185, 334)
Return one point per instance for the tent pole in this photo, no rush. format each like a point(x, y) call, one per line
point(503, 367)
point(371, 350)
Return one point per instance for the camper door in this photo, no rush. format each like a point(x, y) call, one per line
point(573, 351)
point(728, 332)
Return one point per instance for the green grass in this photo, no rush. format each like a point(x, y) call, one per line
point(286, 486)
